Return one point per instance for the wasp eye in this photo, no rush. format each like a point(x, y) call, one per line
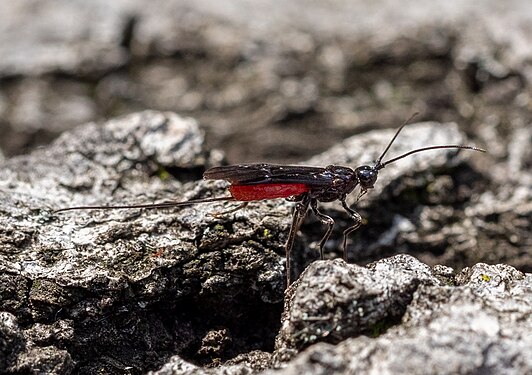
point(366, 176)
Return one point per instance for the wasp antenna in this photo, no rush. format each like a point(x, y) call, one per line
point(150, 206)
point(382, 165)
point(378, 162)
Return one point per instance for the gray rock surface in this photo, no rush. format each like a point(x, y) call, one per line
point(123, 290)
point(474, 322)
point(479, 323)
point(116, 277)
point(333, 301)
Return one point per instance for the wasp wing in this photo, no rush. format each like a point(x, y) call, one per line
point(252, 174)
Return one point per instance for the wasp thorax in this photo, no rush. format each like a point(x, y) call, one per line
point(367, 176)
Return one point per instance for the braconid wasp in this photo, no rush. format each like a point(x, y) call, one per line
point(301, 184)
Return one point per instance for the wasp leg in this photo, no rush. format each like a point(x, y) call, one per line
point(327, 220)
point(299, 215)
point(230, 211)
point(358, 221)
point(361, 194)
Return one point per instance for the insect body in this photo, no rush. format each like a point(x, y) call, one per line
point(304, 185)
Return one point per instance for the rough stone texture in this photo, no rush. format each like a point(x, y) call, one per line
point(123, 290)
point(133, 286)
point(480, 325)
point(333, 301)
point(475, 322)
point(244, 364)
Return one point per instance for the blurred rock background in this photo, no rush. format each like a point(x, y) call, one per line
point(268, 81)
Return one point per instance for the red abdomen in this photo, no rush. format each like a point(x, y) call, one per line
point(266, 191)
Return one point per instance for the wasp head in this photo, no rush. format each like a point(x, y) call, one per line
point(366, 176)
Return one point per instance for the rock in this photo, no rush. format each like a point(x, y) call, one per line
point(21, 353)
point(248, 363)
point(472, 322)
point(333, 301)
point(44, 360)
point(116, 278)
point(67, 48)
point(265, 84)
point(104, 283)
point(11, 341)
point(479, 325)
